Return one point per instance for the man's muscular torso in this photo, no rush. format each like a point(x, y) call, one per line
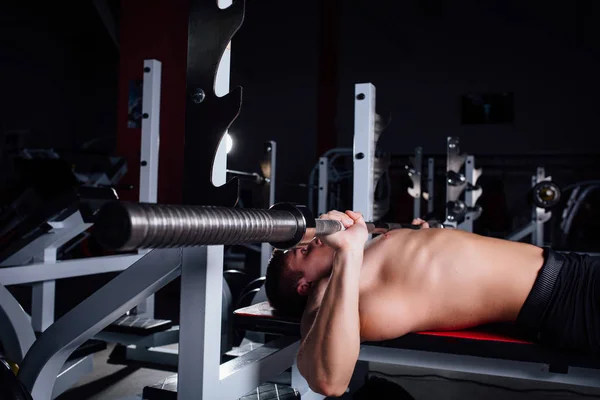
point(438, 279)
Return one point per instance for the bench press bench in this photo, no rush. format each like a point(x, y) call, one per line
point(490, 350)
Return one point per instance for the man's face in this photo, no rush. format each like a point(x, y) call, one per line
point(314, 261)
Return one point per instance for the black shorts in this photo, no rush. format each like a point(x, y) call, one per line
point(563, 307)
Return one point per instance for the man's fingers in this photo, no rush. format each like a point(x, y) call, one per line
point(339, 216)
point(356, 216)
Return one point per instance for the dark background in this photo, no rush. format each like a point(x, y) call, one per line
point(62, 80)
point(59, 76)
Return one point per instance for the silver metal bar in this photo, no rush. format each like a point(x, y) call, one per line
point(66, 269)
point(364, 149)
point(16, 333)
point(149, 151)
point(128, 226)
point(323, 185)
point(46, 358)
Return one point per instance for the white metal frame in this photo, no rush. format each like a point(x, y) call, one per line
point(365, 140)
point(37, 262)
point(149, 152)
point(323, 196)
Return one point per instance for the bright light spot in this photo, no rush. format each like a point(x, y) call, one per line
point(228, 142)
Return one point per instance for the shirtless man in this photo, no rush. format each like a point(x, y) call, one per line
point(349, 291)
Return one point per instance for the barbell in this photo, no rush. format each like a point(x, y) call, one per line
point(123, 226)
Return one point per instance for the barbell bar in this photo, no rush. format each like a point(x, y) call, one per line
point(123, 226)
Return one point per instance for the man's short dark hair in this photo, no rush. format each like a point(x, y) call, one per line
point(281, 287)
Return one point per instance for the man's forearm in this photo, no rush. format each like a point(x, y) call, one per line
point(330, 349)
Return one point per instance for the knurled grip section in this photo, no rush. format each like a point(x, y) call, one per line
point(326, 227)
point(127, 226)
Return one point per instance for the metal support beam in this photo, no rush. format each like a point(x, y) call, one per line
point(149, 152)
point(43, 293)
point(200, 333)
point(16, 333)
point(323, 185)
point(66, 269)
point(364, 149)
point(46, 358)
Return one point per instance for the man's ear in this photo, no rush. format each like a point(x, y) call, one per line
point(303, 287)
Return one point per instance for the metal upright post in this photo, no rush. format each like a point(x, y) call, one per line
point(16, 334)
point(42, 304)
point(364, 149)
point(323, 185)
point(150, 131)
point(149, 152)
point(265, 248)
point(43, 293)
point(430, 184)
point(202, 286)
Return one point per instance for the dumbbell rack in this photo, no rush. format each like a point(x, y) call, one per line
point(462, 191)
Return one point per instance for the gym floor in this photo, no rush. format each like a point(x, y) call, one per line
point(116, 382)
